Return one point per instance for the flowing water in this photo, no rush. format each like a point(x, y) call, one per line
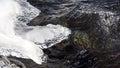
point(94, 24)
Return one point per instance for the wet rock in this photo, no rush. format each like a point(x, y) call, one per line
point(69, 56)
point(81, 39)
point(60, 50)
point(83, 59)
point(57, 53)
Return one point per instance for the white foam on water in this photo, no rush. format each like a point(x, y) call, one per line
point(18, 39)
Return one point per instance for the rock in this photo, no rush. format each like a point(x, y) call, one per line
point(81, 39)
point(65, 55)
point(83, 59)
point(60, 50)
point(57, 53)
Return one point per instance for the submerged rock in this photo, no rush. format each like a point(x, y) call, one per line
point(66, 55)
